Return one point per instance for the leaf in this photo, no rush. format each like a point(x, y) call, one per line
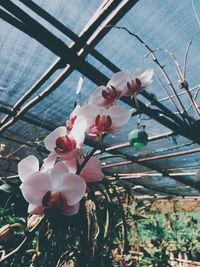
point(7, 188)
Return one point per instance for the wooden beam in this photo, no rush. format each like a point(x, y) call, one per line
point(146, 159)
point(170, 155)
point(97, 78)
point(125, 145)
point(82, 38)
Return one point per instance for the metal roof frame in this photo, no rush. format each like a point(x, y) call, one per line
point(73, 57)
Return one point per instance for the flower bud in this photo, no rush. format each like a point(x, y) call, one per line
point(6, 232)
point(38, 259)
point(33, 221)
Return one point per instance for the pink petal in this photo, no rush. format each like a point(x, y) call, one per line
point(50, 140)
point(71, 165)
point(91, 174)
point(35, 187)
point(144, 75)
point(74, 112)
point(72, 115)
point(57, 173)
point(119, 80)
point(96, 98)
point(78, 131)
point(69, 155)
point(92, 171)
point(27, 167)
point(88, 112)
point(48, 162)
point(73, 188)
point(119, 115)
point(33, 209)
point(71, 210)
point(138, 72)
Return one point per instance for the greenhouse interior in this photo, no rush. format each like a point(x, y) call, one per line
point(99, 133)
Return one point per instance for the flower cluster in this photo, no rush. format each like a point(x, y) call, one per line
point(56, 186)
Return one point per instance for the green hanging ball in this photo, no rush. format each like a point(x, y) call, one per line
point(139, 146)
point(138, 138)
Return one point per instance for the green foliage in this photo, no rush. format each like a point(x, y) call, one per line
point(7, 188)
point(127, 231)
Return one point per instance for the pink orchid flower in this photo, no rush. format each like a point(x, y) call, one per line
point(65, 145)
point(140, 79)
point(105, 96)
point(101, 120)
point(92, 170)
point(56, 190)
point(70, 123)
point(40, 210)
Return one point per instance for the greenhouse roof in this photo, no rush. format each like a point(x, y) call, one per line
point(47, 46)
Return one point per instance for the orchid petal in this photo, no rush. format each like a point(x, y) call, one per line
point(34, 209)
point(35, 187)
point(119, 80)
point(92, 174)
point(50, 140)
point(48, 162)
point(78, 131)
point(96, 97)
point(74, 112)
point(92, 171)
point(88, 112)
point(27, 167)
point(119, 115)
point(71, 165)
point(57, 173)
point(73, 188)
point(144, 75)
point(71, 210)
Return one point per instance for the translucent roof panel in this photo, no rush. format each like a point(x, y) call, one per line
point(74, 14)
point(21, 63)
point(160, 25)
point(25, 59)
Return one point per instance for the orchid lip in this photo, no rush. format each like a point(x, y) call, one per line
point(110, 93)
point(53, 200)
point(134, 86)
point(64, 144)
point(103, 122)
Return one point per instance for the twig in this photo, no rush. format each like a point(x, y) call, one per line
point(15, 151)
point(172, 56)
point(195, 13)
point(195, 97)
point(179, 94)
point(165, 89)
point(154, 58)
point(186, 58)
point(193, 102)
